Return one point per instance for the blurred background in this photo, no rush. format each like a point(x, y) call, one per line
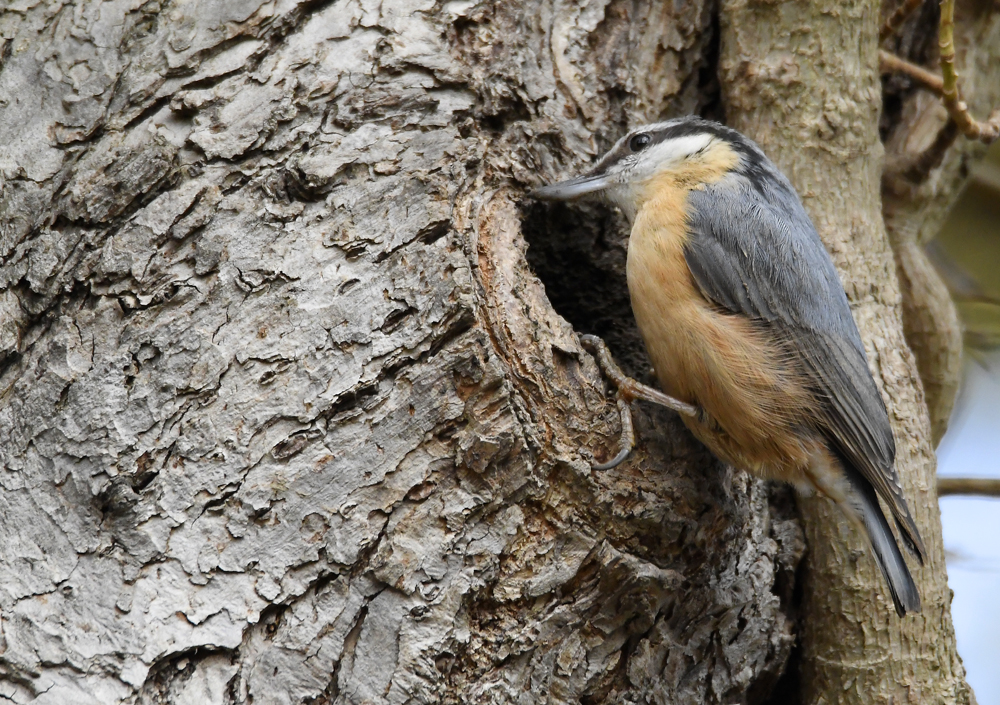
point(968, 253)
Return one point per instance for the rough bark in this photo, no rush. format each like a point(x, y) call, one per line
point(812, 99)
point(287, 413)
point(286, 416)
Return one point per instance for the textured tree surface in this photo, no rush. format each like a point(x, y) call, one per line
point(287, 414)
point(925, 167)
point(827, 141)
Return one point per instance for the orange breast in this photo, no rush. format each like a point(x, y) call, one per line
point(757, 405)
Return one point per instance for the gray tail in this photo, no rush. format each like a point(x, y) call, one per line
point(890, 561)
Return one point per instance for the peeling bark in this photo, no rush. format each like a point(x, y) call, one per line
point(288, 413)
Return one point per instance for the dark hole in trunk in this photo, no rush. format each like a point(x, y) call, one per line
point(578, 251)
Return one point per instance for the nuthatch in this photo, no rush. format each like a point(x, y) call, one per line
point(748, 326)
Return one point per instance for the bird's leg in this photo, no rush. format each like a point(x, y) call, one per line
point(627, 441)
point(627, 390)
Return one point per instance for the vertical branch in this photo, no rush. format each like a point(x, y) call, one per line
point(985, 131)
point(945, 86)
point(854, 650)
point(946, 44)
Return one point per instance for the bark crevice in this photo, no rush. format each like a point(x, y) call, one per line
point(291, 385)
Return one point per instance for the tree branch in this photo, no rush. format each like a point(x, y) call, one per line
point(984, 131)
point(896, 19)
point(987, 487)
point(945, 86)
point(890, 63)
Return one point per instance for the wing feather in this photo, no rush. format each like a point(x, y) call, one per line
point(754, 251)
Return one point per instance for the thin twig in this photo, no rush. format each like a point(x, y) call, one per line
point(968, 485)
point(984, 131)
point(946, 87)
point(896, 19)
point(891, 63)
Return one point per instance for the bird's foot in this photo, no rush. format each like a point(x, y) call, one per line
point(627, 390)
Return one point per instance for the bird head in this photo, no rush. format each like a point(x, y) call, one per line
point(684, 152)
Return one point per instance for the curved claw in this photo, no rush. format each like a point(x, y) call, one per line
point(628, 387)
point(627, 438)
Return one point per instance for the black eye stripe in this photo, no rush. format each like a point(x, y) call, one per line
point(684, 127)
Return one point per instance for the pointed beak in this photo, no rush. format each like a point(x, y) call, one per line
point(574, 188)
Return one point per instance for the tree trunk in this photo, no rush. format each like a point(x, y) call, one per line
point(925, 168)
point(289, 416)
point(819, 121)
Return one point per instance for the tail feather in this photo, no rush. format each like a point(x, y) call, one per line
point(890, 561)
point(915, 547)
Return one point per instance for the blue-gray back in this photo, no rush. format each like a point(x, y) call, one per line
point(754, 251)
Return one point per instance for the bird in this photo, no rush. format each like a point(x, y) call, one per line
point(747, 325)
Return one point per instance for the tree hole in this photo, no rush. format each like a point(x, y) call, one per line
point(578, 251)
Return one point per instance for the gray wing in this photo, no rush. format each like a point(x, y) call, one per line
point(754, 251)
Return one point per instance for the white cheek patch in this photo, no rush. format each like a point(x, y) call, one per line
point(672, 151)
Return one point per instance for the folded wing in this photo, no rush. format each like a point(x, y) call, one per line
point(754, 251)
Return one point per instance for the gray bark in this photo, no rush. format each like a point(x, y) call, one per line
point(286, 416)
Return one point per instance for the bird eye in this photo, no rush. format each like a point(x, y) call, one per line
point(639, 142)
